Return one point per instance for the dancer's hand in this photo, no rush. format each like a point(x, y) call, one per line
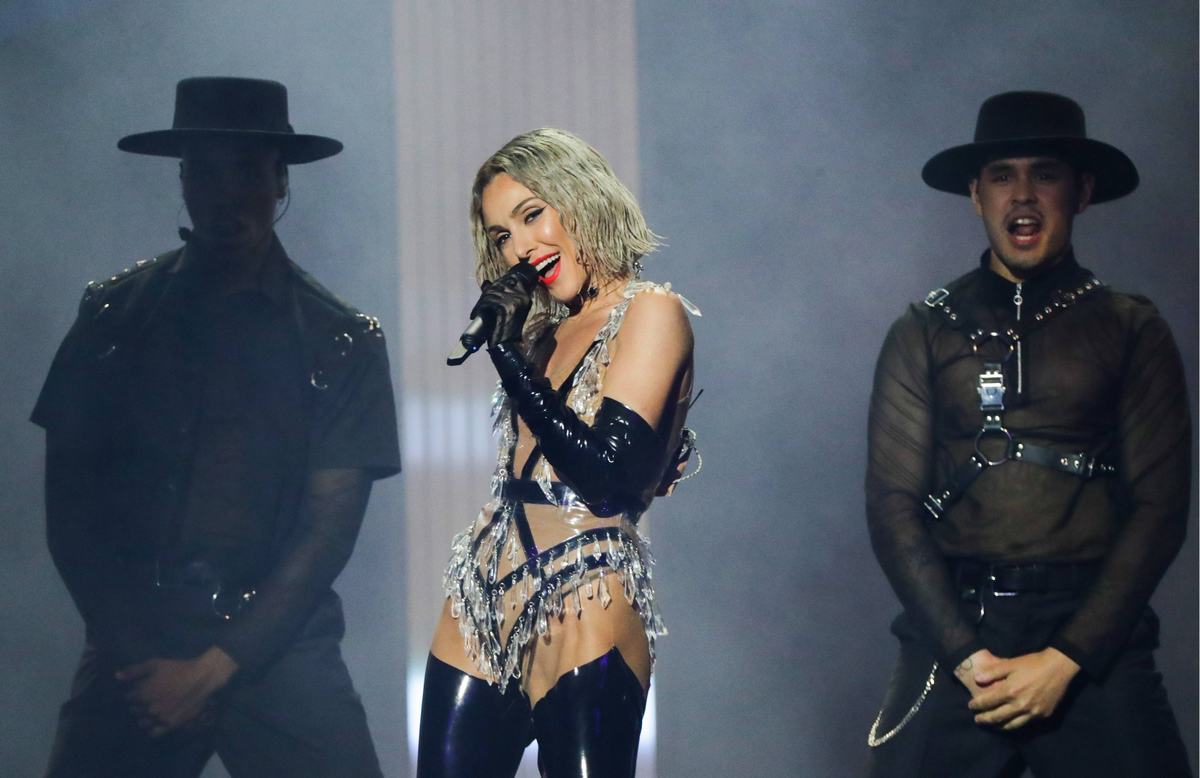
point(165, 694)
point(1018, 690)
point(981, 661)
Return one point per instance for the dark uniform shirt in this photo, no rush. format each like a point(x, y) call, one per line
point(1102, 376)
point(197, 420)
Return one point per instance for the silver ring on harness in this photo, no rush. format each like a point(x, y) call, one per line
point(1008, 338)
point(1008, 445)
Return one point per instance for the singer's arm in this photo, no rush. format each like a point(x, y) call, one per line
point(622, 454)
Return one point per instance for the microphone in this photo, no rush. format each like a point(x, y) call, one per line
point(484, 322)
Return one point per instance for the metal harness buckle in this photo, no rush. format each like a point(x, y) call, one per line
point(934, 505)
point(936, 297)
point(991, 387)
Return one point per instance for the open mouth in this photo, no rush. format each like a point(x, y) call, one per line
point(1025, 229)
point(548, 268)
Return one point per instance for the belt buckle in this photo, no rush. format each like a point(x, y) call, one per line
point(973, 594)
point(996, 592)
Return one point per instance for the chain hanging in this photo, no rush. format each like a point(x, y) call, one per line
point(875, 740)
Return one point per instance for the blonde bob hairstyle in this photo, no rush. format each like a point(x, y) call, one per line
point(596, 209)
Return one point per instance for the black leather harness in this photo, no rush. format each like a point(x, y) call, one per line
point(992, 389)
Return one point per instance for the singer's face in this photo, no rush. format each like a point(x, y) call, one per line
point(230, 189)
point(525, 228)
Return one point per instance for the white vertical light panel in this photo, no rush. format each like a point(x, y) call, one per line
point(471, 74)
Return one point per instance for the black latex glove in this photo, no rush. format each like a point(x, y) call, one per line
point(505, 304)
point(611, 465)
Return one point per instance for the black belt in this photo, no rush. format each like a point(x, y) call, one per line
point(997, 578)
point(200, 579)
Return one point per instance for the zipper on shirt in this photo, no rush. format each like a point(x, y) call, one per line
point(1017, 300)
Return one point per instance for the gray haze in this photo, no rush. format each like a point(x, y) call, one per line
point(780, 149)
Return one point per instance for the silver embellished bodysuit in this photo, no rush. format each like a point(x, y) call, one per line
point(536, 550)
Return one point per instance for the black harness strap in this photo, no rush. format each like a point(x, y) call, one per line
point(585, 539)
point(1071, 464)
point(527, 490)
point(991, 388)
point(523, 530)
point(940, 500)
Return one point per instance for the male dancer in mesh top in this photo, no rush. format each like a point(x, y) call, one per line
point(1028, 480)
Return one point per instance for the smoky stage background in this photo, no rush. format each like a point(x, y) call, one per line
point(776, 145)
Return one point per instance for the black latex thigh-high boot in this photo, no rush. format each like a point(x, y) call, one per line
point(468, 728)
point(589, 722)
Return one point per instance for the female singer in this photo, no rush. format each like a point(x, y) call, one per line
point(550, 620)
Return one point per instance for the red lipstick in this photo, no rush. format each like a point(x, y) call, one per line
point(549, 274)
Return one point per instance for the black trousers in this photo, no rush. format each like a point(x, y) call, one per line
point(1120, 725)
point(299, 717)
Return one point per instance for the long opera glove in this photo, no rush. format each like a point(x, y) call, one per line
point(611, 465)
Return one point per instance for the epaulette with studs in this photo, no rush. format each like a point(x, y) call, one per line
point(369, 325)
point(344, 339)
point(96, 288)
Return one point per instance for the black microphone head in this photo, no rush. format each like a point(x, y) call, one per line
point(476, 333)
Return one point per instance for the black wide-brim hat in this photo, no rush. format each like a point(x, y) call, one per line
point(1022, 124)
point(221, 108)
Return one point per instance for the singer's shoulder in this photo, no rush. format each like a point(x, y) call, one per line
point(655, 312)
point(120, 284)
point(651, 294)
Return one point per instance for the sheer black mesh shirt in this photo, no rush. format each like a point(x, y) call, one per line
point(1102, 376)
